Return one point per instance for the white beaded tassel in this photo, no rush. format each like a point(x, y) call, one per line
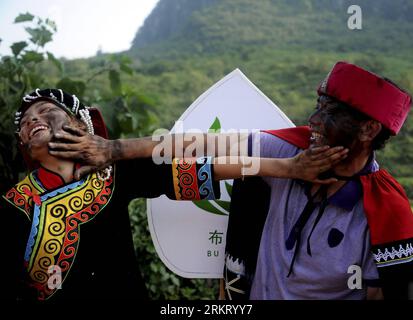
point(85, 116)
point(104, 174)
point(76, 104)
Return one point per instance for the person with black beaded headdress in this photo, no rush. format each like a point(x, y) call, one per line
point(47, 213)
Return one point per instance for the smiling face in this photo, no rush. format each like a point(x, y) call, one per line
point(38, 124)
point(333, 124)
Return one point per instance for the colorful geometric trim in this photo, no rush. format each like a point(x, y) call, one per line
point(193, 179)
point(22, 194)
point(56, 219)
point(36, 215)
point(387, 256)
point(185, 180)
point(206, 190)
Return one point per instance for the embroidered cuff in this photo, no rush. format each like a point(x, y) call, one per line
point(393, 253)
point(193, 179)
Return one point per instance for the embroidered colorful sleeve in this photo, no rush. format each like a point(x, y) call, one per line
point(183, 179)
point(193, 179)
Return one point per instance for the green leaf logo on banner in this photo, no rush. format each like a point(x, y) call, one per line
point(218, 207)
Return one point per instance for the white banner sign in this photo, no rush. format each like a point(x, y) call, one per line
point(189, 237)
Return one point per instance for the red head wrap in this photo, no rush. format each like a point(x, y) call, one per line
point(368, 93)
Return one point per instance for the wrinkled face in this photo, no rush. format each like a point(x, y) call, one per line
point(38, 125)
point(332, 125)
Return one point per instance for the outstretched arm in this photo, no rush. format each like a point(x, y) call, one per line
point(95, 153)
point(306, 165)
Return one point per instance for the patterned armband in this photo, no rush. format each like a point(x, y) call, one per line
point(193, 179)
point(398, 252)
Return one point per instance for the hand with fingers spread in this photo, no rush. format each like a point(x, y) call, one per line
point(92, 151)
point(308, 164)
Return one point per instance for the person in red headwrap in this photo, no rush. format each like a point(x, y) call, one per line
point(352, 239)
point(45, 215)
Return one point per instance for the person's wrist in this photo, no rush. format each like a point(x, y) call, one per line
point(288, 168)
point(277, 168)
point(148, 146)
point(112, 147)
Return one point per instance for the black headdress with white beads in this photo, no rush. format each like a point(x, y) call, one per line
point(71, 104)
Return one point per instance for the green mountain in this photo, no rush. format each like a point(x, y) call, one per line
point(205, 26)
point(285, 46)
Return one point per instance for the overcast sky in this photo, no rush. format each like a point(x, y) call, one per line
point(83, 26)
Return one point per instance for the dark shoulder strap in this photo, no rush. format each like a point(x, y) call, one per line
point(248, 211)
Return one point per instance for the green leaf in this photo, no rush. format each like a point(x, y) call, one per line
point(51, 24)
point(223, 204)
point(32, 56)
point(138, 102)
point(55, 61)
point(114, 79)
point(40, 36)
point(73, 86)
point(125, 68)
point(126, 122)
point(207, 206)
point(229, 188)
point(24, 17)
point(215, 127)
point(17, 47)
point(125, 59)
point(175, 281)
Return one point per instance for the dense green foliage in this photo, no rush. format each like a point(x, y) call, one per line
point(286, 47)
point(211, 26)
point(19, 73)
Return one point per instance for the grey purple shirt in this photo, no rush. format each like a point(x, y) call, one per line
point(340, 239)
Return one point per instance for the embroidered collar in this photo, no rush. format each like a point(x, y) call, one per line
point(56, 216)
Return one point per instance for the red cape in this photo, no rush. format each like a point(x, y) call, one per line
point(386, 205)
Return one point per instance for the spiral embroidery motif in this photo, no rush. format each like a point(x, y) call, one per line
point(20, 198)
point(56, 220)
point(185, 179)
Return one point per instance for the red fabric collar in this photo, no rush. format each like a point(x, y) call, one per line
point(298, 136)
point(386, 205)
point(49, 179)
point(387, 208)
